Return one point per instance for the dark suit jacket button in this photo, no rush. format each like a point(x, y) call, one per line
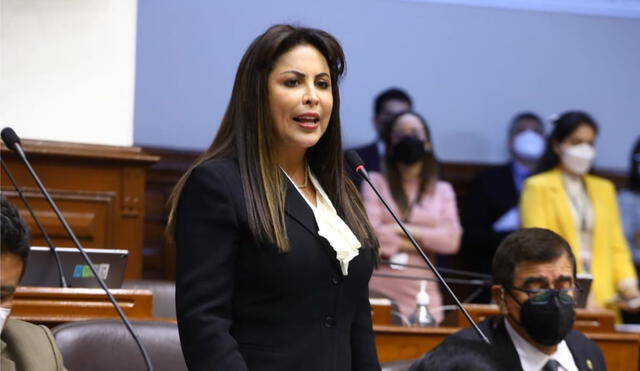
point(329, 321)
point(335, 279)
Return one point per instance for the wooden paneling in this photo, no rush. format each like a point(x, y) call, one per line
point(99, 189)
point(53, 305)
point(161, 179)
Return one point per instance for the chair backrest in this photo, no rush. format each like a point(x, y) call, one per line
point(164, 295)
point(106, 345)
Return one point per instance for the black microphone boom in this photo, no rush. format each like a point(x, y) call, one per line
point(356, 164)
point(12, 141)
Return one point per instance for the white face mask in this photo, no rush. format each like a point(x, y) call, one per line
point(578, 159)
point(528, 145)
point(4, 314)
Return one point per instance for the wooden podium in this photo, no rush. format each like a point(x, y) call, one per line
point(99, 189)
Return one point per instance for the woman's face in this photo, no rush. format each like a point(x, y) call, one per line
point(582, 134)
point(406, 125)
point(300, 99)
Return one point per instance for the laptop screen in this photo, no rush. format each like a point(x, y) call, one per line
point(42, 269)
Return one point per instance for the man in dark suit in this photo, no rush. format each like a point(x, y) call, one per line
point(23, 345)
point(387, 104)
point(491, 210)
point(534, 274)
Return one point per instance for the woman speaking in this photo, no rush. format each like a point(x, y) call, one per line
point(274, 251)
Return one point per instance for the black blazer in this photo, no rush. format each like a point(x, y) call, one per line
point(492, 194)
point(244, 305)
point(584, 351)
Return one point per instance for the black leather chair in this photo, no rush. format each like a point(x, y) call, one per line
point(403, 365)
point(164, 295)
point(106, 345)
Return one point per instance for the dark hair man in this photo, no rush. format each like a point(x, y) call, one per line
point(24, 346)
point(534, 274)
point(386, 105)
point(491, 208)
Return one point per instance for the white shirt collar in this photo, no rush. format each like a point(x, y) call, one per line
point(331, 226)
point(532, 359)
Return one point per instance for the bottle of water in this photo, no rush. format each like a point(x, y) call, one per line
point(421, 317)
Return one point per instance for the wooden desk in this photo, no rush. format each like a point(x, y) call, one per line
point(621, 351)
point(52, 305)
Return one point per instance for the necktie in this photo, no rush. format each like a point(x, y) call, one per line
point(551, 365)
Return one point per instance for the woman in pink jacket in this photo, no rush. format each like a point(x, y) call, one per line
point(426, 204)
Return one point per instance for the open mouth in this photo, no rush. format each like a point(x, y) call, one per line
point(307, 119)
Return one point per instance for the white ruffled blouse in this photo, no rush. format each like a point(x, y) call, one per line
point(331, 226)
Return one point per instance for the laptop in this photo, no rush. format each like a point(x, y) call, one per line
point(42, 269)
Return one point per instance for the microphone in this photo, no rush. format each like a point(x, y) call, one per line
point(356, 163)
point(52, 248)
point(12, 141)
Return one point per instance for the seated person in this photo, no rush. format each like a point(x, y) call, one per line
point(470, 355)
point(582, 208)
point(25, 346)
point(386, 105)
point(491, 210)
point(427, 205)
point(534, 272)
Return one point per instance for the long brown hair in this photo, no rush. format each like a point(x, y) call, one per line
point(429, 172)
point(246, 134)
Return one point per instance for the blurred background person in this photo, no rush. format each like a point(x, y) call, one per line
point(386, 105)
point(410, 182)
point(491, 210)
point(629, 199)
point(583, 209)
point(24, 346)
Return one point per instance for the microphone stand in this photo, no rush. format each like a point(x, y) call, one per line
point(432, 279)
point(13, 142)
point(52, 248)
point(360, 170)
point(445, 270)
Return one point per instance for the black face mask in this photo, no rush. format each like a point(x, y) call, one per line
point(408, 150)
point(547, 323)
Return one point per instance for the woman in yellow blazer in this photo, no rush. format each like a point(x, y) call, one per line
point(583, 209)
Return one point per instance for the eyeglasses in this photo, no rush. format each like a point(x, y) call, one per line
point(543, 296)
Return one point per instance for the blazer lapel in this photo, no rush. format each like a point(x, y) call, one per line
point(502, 340)
point(581, 357)
point(298, 209)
